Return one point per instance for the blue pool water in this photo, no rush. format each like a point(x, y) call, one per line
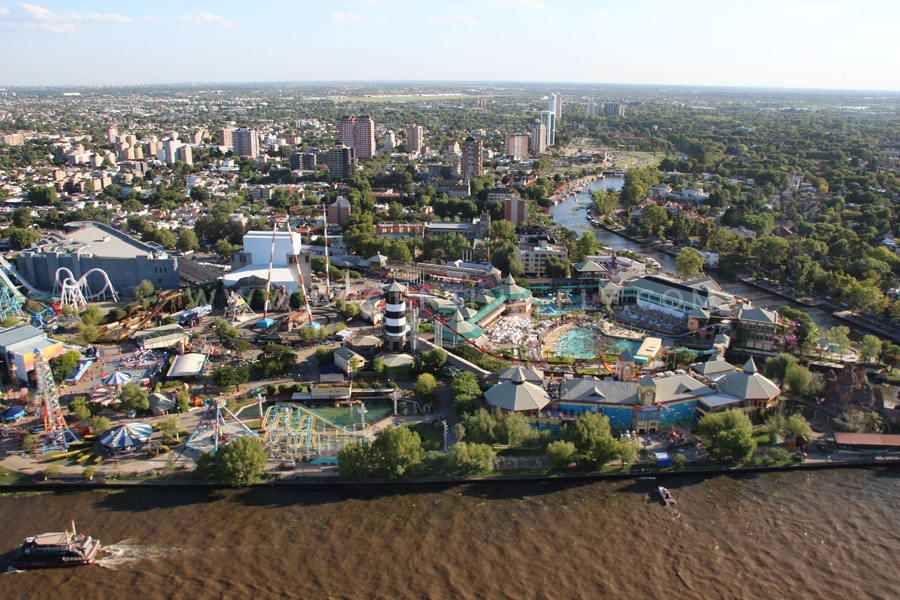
point(585, 342)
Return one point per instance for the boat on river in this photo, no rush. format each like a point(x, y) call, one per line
point(666, 496)
point(66, 549)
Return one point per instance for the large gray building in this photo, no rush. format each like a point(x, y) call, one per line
point(88, 245)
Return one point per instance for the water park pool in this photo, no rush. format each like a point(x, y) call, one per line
point(582, 343)
point(549, 310)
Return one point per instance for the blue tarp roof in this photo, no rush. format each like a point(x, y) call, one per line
point(80, 369)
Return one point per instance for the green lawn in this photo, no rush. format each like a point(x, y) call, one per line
point(432, 439)
point(345, 415)
point(9, 476)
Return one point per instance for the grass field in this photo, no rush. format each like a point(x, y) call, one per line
point(10, 476)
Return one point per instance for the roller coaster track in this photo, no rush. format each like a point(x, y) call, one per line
point(296, 431)
point(6, 270)
point(138, 318)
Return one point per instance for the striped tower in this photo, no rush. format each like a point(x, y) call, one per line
point(395, 317)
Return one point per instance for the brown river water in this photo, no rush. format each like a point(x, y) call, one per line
point(826, 534)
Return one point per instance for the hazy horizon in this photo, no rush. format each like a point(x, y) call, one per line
point(771, 44)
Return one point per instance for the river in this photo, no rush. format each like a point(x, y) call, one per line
point(825, 534)
point(572, 214)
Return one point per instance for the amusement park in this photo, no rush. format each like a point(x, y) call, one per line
point(306, 367)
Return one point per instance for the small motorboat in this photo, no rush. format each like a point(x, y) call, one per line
point(66, 549)
point(666, 496)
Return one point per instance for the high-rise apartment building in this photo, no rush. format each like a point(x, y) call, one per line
point(390, 140)
point(554, 103)
point(613, 109)
point(228, 136)
point(548, 118)
point(358, 133)
point(112, 134)
point(538, 137)
point(168, 152)
point(341, 161)
point(472, 162)
point(184, 154)
point(415, 138)
point(517, 146)
point(245, 142)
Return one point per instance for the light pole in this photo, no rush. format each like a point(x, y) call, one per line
point(446, 429)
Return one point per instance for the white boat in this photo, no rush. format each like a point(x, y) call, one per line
point(666, 496)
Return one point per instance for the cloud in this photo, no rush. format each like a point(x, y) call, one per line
point(516, 3)
point(381, 19)
point(192, 20)
point(459, 20)
point(599, 14)
point(33, 17)
point(349, 18)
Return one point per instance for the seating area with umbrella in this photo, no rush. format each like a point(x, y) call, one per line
point(125, 437)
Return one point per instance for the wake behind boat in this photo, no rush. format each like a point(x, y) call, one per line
point(66, 549)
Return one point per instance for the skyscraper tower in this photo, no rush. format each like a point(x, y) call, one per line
point(554, 103)
point(538, 137)
point(548, 120)
point(415, 138)
point(246, 142)
point(472, 161)
point(358, 133)
point(395, 317)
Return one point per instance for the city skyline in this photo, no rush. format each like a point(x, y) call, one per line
point(792, 44)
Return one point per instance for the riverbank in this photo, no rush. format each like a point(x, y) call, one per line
point(501, 477)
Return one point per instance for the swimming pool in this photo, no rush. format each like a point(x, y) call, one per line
point(585, 342)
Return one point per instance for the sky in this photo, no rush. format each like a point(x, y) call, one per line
point(769, 43)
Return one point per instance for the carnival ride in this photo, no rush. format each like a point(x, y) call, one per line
point(78, 292)
point(11, 299)
point(266, 322)
point(56, 431)
point(47, 317)
point(217, 412)
point(139, 317)
point(295, 431)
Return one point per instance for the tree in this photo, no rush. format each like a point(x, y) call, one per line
point(80, 408)
point(797, 380)
point(183, 399)
point(735, 444)
point(395, 211)
point(133, 397)
point(689, 263)
point(776, 367)
point(91, 315)
point(556, 267)
point(431, 361)
point(242, 461)
point(397, 451)
point(630, 451)
point(470, 459)
point(51, 471)
point(276, 359)
point(425, 386)
point(593, 439)
point(796, 427)
point(20, 239)
point(479, 427)
point(224, 248)
point(64, 365)
point(871, 348)
point(561, 453)
point(42, 196)
point(510, 428)
point(143, 290)
point(187, 241)
point(21, 217)
point(378, 366)
point(99, 424)
point(587, 245)
point(728, 435)
point(355, 461)
point(223, 330)
point(839, 336)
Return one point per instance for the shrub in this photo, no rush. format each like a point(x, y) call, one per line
point(51, 471)
point(89, 472)
point(561, 454)
point(679, 460)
